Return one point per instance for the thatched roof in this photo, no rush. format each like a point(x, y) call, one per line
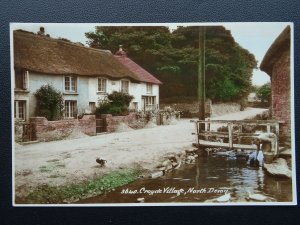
point(47, 55)
point(279, 46)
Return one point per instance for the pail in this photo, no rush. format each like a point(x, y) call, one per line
point(268, 157)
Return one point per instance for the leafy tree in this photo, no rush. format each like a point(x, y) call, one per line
point(49, 102)
point(264, 92)
point(173, 58)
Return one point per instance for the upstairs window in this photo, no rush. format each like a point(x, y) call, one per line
point(21, 79)
point(70, 84)
point(149, 88)
point(102, 85)
point(125, 86)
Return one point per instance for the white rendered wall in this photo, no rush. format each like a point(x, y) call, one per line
point(87, 91)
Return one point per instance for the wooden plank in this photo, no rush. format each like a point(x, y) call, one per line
point(225, 145)
point(226, 133)
point(243, 122)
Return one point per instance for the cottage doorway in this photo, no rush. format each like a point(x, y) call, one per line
point(29, 133)
point(100, 125)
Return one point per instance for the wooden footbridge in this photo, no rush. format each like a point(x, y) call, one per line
point(231, 134)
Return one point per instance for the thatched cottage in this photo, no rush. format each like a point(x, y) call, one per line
point(84, 75)
point(276, 63)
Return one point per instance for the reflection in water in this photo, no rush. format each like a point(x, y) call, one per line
point(208, 178)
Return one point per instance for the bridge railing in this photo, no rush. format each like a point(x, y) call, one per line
point(212, 133)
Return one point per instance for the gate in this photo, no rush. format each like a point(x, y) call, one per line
point(29, 133)
point(100, 125)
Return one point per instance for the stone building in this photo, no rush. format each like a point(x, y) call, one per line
point(276, 63)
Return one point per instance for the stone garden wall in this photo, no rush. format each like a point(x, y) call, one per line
point(138, 120)
point(63, 129)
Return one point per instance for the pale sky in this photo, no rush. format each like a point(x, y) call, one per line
point(255, 37)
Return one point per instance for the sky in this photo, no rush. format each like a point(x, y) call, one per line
point(255, 37)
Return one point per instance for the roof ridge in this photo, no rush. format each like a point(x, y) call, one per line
point(28, 33)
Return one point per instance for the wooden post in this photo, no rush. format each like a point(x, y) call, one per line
point(277, 129)
point(268, 128)
point(201, 77)
point(230, 135)
point(240, 131)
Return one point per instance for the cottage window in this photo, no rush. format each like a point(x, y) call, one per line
point(71, 84)
point(70, 109)
point(149, 103)
point(92, 106)
point(102, 85)
point(125, 86)
point(21, 79)
point(149, 88)
point(20, 110)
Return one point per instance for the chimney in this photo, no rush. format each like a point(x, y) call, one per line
point(121, 52)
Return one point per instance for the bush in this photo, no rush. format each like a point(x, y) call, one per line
point(104, 107)
point(116, 104)
point(50, 102)
point(120, 99)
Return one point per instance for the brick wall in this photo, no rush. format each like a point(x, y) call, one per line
point(61, 129)
point(281, 108)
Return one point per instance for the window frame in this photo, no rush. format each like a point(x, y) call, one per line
point(24, 77)
point(149, 88)
point(102, 81)
point(70, 110)
point(123, 90)
point(71, 80)
point(17, 111)
point(149, 103)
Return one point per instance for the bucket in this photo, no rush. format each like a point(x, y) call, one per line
point(268, 157)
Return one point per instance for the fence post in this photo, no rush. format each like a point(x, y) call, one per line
point(230, 135)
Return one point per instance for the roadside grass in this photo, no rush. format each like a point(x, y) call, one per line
point(73, 192)
point(51, 167)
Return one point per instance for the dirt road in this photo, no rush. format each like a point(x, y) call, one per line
point(61, 162)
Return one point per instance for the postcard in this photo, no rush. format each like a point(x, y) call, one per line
point(156, 114)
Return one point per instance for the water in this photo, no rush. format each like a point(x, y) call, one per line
point(207, 179)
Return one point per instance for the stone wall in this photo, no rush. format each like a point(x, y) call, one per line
point(18, 130)
point(138, 120)
point(63, 129)
point(218, 109)
point(281, 108)
point(133, 120)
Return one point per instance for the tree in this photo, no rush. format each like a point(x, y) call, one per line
point(264, 92)
point(49, 102)
point(173, 58)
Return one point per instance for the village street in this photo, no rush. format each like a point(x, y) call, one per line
point(61, 162)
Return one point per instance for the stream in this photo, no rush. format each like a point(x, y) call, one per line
point(207, 179)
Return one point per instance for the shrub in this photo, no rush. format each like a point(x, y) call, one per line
point(115, 110)
point(104, 107)
point(120, 98)
point(50, 102)
point(116, 104)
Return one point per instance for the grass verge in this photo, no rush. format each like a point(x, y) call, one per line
point(73, 192)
